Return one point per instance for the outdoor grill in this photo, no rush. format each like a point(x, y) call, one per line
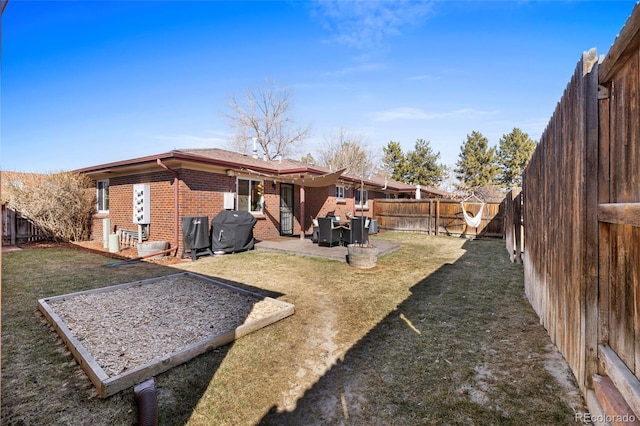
point(195, 236)
point(232, 231)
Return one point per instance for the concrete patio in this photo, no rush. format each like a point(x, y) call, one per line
point(305, 247)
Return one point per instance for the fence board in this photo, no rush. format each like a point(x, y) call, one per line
point(437, 216)
point(555, 220)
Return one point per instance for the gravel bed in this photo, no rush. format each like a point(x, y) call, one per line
point(132, 326)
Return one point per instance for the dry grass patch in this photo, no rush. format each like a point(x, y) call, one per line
point(439, 332)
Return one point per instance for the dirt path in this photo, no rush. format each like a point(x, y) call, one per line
point(322, 354)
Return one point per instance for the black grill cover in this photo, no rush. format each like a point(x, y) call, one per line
point(195, 232)
point(232, 231)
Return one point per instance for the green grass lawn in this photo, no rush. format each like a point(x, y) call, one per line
point(438, 333)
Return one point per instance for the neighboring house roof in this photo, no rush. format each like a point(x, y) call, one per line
point(221, 161)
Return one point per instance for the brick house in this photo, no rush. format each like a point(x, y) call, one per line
point(283, 195)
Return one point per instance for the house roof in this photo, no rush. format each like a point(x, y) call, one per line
point(223, 161)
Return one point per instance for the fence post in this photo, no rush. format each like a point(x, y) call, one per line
point(437, 217)
point(430, 218)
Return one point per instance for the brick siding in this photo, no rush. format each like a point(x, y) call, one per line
point(202, 194)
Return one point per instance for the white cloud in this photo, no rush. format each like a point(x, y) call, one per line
point(365, 24)
point(409, 113)
point(368, 67)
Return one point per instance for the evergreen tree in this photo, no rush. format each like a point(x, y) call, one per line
point(514, 153)
point(308, 159)
point(422, 166)
point(393, 162)
point(477, 165)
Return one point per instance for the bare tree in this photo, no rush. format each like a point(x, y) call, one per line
point(264, 114)
point(345, 149)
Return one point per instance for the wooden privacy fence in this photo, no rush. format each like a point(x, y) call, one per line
point(437, 217)
point(18, 230)
point(581, 218)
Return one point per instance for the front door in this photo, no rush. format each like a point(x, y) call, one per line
point(286, 209)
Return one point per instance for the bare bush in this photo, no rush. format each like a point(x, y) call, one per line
point(60, 204)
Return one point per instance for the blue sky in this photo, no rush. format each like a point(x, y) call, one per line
point(90, 82)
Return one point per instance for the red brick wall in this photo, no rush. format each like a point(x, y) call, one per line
point(200, 194)
point(322, 202)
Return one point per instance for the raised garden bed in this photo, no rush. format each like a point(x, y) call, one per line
point(124, 334)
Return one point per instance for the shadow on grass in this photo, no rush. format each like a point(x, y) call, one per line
point(464, 348)
point(41, 381)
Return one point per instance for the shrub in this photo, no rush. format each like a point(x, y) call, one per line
point(60, 204)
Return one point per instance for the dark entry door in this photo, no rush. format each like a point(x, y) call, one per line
point(286, 209)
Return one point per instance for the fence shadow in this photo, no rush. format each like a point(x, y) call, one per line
point(465, 347)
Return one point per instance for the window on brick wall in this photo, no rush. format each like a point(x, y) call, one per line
point(250, 196)
point(102, 188)
point(362, 196)
point(340, 193)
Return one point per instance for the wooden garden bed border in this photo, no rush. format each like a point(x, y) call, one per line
point(107, 386)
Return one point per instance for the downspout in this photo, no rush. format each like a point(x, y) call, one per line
point(176, 203)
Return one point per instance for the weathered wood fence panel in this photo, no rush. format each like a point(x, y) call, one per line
point(555, 220)
point(581, 216)
point(18, 230)
point(438, 217)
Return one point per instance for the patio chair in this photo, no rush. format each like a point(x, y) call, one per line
point(327, 232)
point(359, 230)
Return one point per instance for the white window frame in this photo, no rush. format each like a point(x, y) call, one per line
point(105, 195)
point(365, 195)
point(340, 192)
point(246, 204)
